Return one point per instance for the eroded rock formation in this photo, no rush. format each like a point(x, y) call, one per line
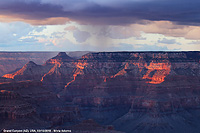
point(150, 90)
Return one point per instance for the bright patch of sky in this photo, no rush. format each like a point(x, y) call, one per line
point(19, 36)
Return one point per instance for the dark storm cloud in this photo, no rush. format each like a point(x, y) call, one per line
point(104, 12)
point(167, 41)
point(31, 9)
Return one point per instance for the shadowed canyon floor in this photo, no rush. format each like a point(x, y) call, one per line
point(154, 92)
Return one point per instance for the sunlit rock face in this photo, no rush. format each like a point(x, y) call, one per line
point(29, 71)
point(150, 90)
point(62, 57)
point(13, 61)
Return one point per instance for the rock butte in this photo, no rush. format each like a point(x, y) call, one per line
point(133, 91)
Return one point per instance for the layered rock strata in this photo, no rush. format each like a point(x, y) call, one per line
point(148, 89)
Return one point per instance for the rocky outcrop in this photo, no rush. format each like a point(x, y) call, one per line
point(60, 73)
point(111, 86)
point(59, 115)
point(15, 85)
point(16, 113)
point(3, 80)
point(13, 107)
point(160, 83)
point(30, 71)
point(13, 61)
point(62, 57)
point(28, 104)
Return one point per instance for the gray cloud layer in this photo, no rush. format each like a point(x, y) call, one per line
point(103, 12)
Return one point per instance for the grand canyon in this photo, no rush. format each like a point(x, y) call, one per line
point(131, 92)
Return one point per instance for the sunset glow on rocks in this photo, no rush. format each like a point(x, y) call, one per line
point(105, 66)
point(161, 71)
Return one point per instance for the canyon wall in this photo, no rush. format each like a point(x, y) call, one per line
point(13, 61)
point(150, 90)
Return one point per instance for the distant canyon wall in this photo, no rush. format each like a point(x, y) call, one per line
point(12, 61)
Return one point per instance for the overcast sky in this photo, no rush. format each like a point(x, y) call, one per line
point(99, 25)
